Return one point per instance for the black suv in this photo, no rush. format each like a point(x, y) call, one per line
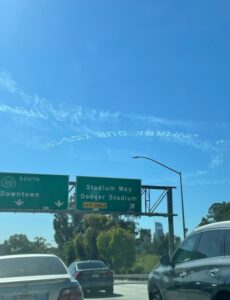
point(199, 269)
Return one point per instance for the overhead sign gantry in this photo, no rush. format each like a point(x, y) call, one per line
point(22, 192)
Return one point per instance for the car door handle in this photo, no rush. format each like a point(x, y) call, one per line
point(213, 272)
point(183, 274)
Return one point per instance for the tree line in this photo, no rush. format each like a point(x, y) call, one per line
point(111, 238)
point(95, 236)
point(20, 244)
point(217, 212)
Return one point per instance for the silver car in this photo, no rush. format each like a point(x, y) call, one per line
point(199, 269)
point(36, 277)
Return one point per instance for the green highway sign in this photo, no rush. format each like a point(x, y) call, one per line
point(33, 192)
point(108, 194)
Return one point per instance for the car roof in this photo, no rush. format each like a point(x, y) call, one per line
point(88, 261)
point(26, 255)
point(216, 225)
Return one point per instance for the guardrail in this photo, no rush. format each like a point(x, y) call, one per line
point(131, 277)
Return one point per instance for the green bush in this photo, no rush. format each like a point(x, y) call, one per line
point(145, 263)
point(137, 269)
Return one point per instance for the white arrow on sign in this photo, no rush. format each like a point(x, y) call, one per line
point(132, 206)
point(59, 203)
point(19, 202)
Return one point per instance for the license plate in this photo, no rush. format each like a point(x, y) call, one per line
point(95, 275)
point(32, 297)
point(24, 297)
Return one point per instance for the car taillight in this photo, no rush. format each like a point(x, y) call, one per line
point(71, 294)
point(77, 274)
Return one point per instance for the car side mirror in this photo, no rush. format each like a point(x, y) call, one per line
point(165, 260)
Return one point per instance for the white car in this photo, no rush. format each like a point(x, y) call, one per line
point(36, 276)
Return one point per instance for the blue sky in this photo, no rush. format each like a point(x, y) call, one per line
point(85, 85)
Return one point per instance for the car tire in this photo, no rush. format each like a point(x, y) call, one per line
point(156, 295)
point(109, 290)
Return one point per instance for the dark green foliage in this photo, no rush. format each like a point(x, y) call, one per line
point(69, 252)
point(110, 238)
point(217, 212)
point(19, 244)
point(144, 263)
point(79, 247)
point(161, 244)
point(77, 235)
point(63, 229)
point(117, 247)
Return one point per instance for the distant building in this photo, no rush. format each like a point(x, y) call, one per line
point(159, 232)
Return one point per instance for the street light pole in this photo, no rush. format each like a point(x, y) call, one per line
point(182, 206)
point(181, 188)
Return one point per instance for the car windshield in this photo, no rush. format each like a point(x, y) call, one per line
point(31, 266)
point(91, 265)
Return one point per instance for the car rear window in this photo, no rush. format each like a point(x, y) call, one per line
point(91, 265)
point(30, 266)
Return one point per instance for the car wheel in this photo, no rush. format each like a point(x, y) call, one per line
point(109, 290)
point(156, 296)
